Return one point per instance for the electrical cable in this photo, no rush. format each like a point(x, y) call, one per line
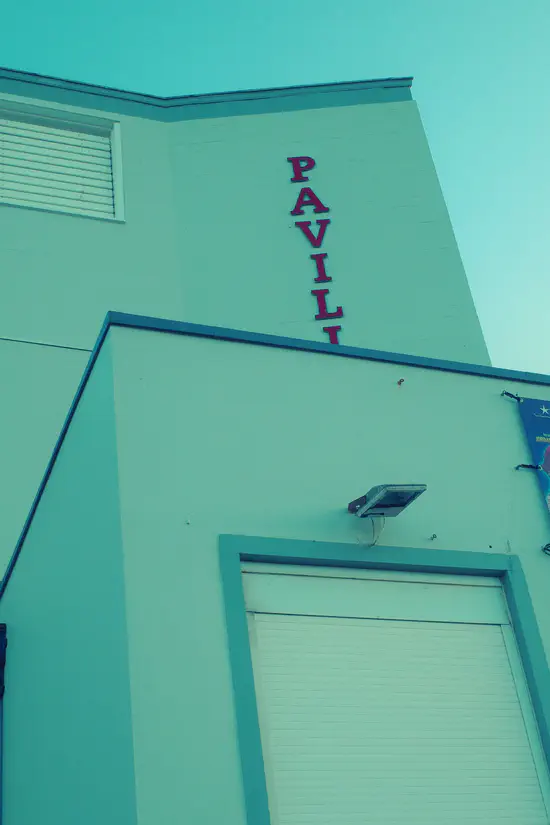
point(376, 533)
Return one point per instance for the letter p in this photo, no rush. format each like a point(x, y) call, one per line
point(299, 166)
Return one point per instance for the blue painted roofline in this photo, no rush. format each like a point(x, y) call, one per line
point(122, 319)
point(186, 107)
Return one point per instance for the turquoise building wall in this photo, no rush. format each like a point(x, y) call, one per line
point(38, 384)
point(227, 438)
point(119, 705)
point(207, 237)
point(68, 748)
point(177, 440)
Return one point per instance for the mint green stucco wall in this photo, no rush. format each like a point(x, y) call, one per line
point(208, 238)
point(68, 753)
point(37, 386)
point(391, 250)
point(218, 438)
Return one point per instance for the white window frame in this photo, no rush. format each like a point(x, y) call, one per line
point(63, 117)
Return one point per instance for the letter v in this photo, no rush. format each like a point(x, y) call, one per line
point(317, 240)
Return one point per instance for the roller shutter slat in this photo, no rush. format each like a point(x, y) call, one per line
point(41, 147)
point(48, 133)
point(79, 199)
point(66, 210)
point(51, 172)
point(61, 165)
point(56, 204)
point(71, 184)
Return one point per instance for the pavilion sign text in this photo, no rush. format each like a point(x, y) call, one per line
point(315, 236)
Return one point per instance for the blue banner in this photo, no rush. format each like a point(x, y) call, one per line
point(535, 415)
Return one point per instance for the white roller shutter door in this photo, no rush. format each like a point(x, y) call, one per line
point(51, 167)
point(391, 701)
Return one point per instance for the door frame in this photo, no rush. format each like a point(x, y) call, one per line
point(234, 550)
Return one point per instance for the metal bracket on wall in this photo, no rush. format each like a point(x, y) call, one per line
point(517, 398)
point(528, 467)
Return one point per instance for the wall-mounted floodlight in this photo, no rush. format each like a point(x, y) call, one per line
point(386, 500)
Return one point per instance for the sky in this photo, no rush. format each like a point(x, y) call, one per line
point(480, 69)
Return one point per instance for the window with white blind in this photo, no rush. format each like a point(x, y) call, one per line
point(59, 166)
point(390, 698)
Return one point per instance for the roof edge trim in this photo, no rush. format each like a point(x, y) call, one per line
point(121, 319)
point(210, 97)
point(92, 96)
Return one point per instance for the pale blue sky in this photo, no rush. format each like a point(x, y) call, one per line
point(481, 71)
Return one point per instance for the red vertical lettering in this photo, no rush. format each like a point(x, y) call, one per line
point(319, 258)
point(332, 333)
point(299, 166)
point(307, 197)
point(317, 240)
point(324, 314)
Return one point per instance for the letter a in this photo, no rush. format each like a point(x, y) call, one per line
point(307, 197)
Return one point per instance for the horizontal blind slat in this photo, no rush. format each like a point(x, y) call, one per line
point(25, 156)
point(43, 192)
point(10, 142)
point(53, 172)
point(66, 135)
point(73, 144)
point(67, 184)
point(70, 207)
point(58, 171)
